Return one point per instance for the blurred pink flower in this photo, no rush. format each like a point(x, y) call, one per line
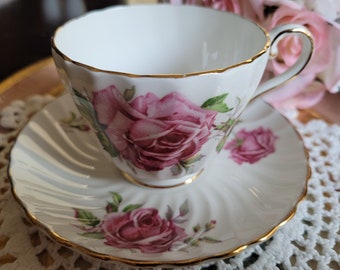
point(249, 9)
point(330, 76)
point(302, 92)
point(328, 9)
point(290, 47)
point(307, 89)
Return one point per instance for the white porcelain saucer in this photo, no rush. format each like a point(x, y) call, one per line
point(66, 185)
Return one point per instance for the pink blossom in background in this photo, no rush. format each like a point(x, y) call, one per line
point(302, 92)
point(330, 76)
point(151, 132)
point(319, 16)
point(251, 146)
point(290, 47)
point(328, 9)
point(248, 9)
point(305, 90)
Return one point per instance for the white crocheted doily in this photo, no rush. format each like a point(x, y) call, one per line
point(310, 240)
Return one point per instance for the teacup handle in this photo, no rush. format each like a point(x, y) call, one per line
point(276, 35)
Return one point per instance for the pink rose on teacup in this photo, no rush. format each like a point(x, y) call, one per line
point(251, 146)
point(141, 229)
point(151, 132)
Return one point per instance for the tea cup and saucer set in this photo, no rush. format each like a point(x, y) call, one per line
point(162, 154)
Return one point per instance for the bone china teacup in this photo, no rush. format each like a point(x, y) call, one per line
point(162, 85)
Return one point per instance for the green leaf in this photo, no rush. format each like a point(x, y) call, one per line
point(116, 198)
point(180, 220)
point(220, 107)
point(169, 213)
point(226, 126)
point(86, 109)
point(187, 240)
point(210, 240)
point(111, 207)
point(221, 143)
point(186, 163)
point(195, 243)
point(131, 207)
point(220, 126)
point(191, 241)
point(217, 104)
point(70, 119)
point(129, 93)
point(86, 217)
point(176, 169)
point(94, 235)
point(184, 208)
point(78, 94)
point(197, 228)
point(107, 145)
point(231, 122)
point(214, 100)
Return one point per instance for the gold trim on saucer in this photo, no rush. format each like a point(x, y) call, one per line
point(148, 264)
point(173, 263)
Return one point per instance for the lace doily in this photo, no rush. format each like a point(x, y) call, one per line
point(310, 240)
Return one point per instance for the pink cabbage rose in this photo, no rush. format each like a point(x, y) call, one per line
point(302, 92)
point(151, 132)
point(328, 9)
point(290, 47)
point(307, 89)
point(141, 229)
point(330, 76)
point(251, 146)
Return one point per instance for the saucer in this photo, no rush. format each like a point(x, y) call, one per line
point(68, 186)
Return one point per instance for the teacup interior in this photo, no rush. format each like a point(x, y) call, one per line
point(159, 39)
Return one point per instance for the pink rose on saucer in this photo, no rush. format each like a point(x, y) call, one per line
point(152, 132)
point(141, 229)
point(133, 227)
point(251, 146)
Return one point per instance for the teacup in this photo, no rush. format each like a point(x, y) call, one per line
point(163, 85)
